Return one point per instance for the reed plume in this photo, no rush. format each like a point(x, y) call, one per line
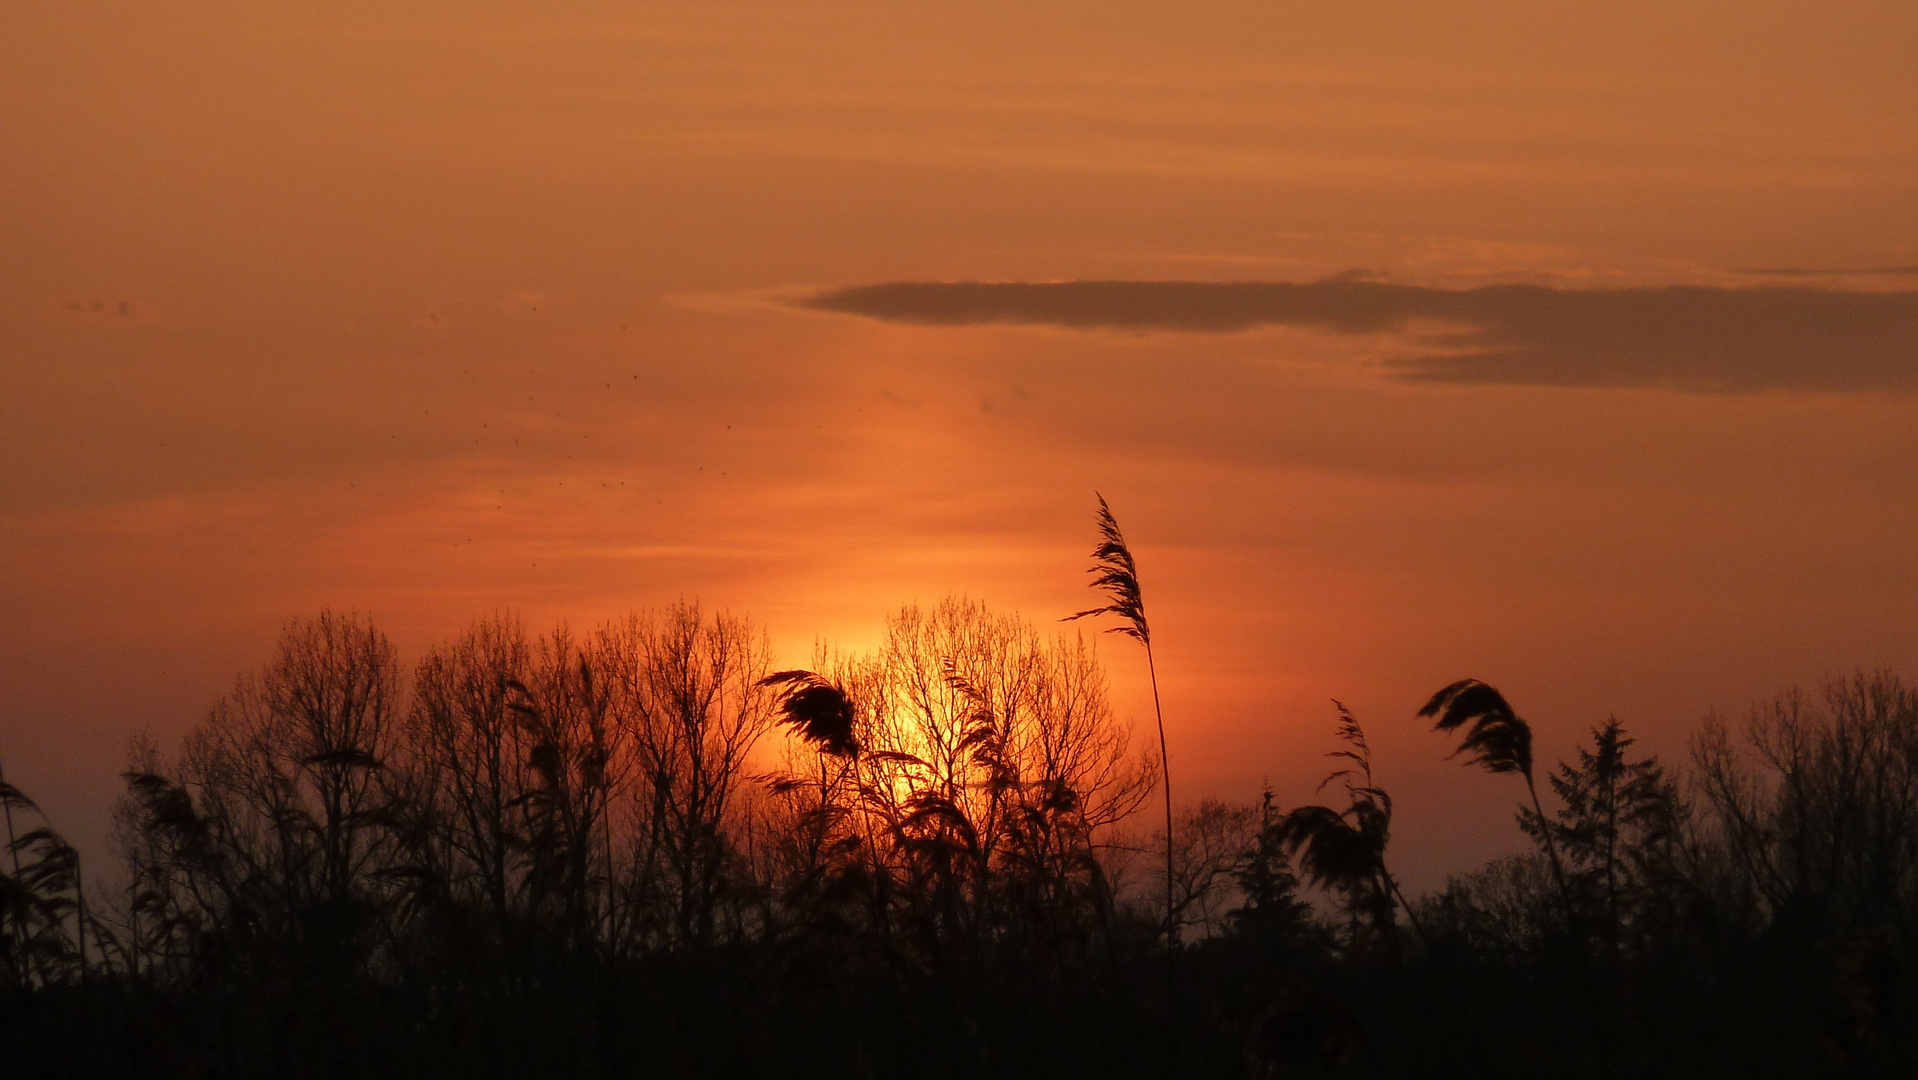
point(35, 902)
point(1116, 573)
point(817, 710)
point(1345, 849)
point(1497, 739)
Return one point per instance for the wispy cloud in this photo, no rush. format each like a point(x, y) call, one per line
point(1815, 272)
point(1682, 337)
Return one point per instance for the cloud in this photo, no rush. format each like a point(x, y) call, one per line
point(1683, 337)
point(1864, 271)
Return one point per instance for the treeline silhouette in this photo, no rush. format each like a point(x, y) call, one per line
point(643, 851)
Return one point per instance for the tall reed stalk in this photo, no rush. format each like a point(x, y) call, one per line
point(1115, 572)
point(13, 851)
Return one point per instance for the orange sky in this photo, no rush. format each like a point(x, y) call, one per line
point(433, 309)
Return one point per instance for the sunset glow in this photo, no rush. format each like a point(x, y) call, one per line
point(433, 311)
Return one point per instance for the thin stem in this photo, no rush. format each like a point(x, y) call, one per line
point(1171, 925)
point(612, 895)
point(1165, 782)
point(19, 932)
point(882, 903)
point(8, 805)
point(80, 916)
point(1410, 915)
point(1545, 832)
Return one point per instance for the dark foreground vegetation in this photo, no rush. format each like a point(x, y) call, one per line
point(643, 852)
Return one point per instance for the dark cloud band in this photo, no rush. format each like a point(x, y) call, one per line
point(1687, 337)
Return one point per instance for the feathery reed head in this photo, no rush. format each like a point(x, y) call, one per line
point(1331, 851)
point(1116, 573)
point(167, 805)
point(14, 799)
point(1495, 736)
point(1358, 775)
point(817, 710)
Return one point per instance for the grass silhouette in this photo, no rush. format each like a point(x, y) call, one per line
point(544, 864)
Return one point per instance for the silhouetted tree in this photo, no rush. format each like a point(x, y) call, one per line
point(1271, 907)
point(280, 817)
point(1214, 842)
point(692, 693)
point(578, 762)
point(471, 755)
point(1618, 831)
point(1820, 814)
point(548, 854)
point(984, 763)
